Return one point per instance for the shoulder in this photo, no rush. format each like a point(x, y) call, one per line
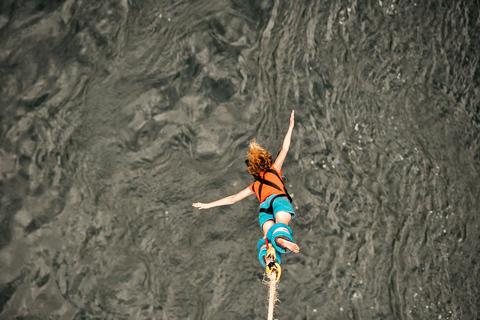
point(279, 172)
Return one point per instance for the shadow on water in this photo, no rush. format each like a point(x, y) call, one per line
point(116, 116)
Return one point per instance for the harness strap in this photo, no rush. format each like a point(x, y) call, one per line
point(284, 187)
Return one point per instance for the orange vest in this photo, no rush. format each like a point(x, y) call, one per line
point(269, 183)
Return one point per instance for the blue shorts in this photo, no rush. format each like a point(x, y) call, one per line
point(279, 204)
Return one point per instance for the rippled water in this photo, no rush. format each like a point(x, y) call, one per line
point(117, 115)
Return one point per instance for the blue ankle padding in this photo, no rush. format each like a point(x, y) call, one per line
point(279, 230)
point(263, 252)
point(260, 243)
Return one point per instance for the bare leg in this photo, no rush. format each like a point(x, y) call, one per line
point(285, 217)
point(266, 226)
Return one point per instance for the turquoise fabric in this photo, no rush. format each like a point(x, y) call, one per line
point(279, 204)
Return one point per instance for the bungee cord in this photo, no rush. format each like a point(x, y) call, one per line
point(272, 294)
point(273, 272)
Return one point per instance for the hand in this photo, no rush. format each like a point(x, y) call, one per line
point(292, 119)
point(201, 205)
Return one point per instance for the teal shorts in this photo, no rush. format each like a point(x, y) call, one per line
point(279, 204)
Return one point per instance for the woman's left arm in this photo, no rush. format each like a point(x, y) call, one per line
point(225, 201)
point(286, 144)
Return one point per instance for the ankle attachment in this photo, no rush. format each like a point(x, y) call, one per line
point(264, 254)
point(279, 230)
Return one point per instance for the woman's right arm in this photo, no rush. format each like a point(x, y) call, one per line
point(286, 144)
point(224, 201)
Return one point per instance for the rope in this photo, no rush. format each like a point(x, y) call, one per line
point(272, 294)
point(273, 272)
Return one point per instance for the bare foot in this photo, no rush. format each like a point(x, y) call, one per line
point(289, 245)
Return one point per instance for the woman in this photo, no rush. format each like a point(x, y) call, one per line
point(275, 208)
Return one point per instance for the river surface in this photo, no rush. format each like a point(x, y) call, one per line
point(116, 115)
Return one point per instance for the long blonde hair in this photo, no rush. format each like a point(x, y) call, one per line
point(259, 159)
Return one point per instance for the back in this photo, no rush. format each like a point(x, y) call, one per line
point(265, 189)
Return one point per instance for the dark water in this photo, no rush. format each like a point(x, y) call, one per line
point(117, 115)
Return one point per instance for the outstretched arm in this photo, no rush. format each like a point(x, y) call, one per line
point(286, 144)
point(225, 201)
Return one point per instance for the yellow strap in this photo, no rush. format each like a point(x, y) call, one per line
point(271, 254)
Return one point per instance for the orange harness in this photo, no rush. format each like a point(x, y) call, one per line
point(274, 189)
